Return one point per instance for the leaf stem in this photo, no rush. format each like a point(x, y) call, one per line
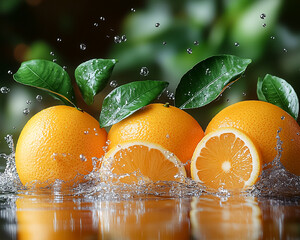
point(166, 104)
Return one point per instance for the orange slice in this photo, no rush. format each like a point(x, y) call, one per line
point(226, 158)
point(141, 162)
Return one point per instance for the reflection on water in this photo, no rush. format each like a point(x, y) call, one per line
point(150, 218)
point(44, 218)
point(230, 218)
point(204, 217)
point(281, 218)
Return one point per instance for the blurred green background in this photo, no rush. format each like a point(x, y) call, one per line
point(158, 35)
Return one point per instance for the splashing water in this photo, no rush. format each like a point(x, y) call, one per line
point(9, 179)
point(274, 181)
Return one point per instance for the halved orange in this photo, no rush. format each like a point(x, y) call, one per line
point(226, 158)
point(141, 162)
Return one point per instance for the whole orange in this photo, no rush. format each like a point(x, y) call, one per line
point(168, 126)
point(262, 122)
point(58, 143)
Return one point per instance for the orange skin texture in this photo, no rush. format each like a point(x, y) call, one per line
point(50, 145)
point(261, 121)
point(170, 127)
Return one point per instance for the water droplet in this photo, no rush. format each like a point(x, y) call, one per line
point(157, 24)
point(236, 44)
point(64, 67)
point(282, 117)
point(298, 134)
point(123, 38)
point(102, 18)
point(117, 39)
point(196, 43)
point(107, 36)
point(28, 102)
point(164, 43)
point(272, 37)
point(82, 46)
point(9, 72)
point(52, 53)
point(96, 24)
point(112, 30)
point(132, 10)
point(39, 98)
point(26, 111)
point(58, 40)
point(82, 158)
point(244, 94)
point(105, 148)
point(170, 95)
point(189, 51)
point(207, 71)
point(113, 83)
point(4, 90)
point(54, 60)
point(86, 132)
point(285, 50)
point(263, 16)
point(144, 71)
point(264, 25)
point(167, 136)
point(227, 100)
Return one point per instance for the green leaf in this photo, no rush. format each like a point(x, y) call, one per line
point(208, 79)
point(127, 99)
point(48, 76)
point(92, 76)
point(277, 91)
point(259, 91)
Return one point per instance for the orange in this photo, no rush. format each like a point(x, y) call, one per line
point(58, 143)
point(226, 158)
point(141, 162)
point(168, 126)
point(236, 218)
point(261, 121)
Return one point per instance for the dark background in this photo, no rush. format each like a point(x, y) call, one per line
point(30, 29)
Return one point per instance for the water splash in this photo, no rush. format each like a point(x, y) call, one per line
point(275, 180)
point(9, 179)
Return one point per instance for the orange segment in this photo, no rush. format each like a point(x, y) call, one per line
point(142, 161)
point(226, 157)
